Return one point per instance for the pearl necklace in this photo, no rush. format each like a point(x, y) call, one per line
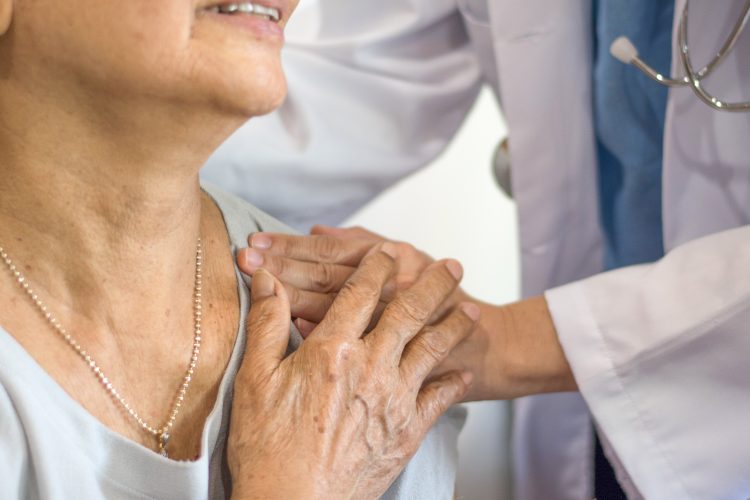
point(162, 433)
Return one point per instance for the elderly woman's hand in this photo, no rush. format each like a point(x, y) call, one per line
point(314, 269)
point(340, 417)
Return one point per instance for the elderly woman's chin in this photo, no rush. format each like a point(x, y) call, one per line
point(251, 95)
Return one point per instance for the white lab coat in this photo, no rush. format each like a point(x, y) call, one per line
point(661, 352)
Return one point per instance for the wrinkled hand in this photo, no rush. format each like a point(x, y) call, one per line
point(341, 416)
point(314, 269)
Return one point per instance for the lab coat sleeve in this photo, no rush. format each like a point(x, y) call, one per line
point(376, 91)
point(661, 354)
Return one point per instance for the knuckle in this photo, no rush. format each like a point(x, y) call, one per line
point(361, 289)
point(432, 345)
point(434, 405)
point(323, 278)
point(381, 263)
point(398, 412)
point(406, 308)
point(327, 249)
point(335, 354)
point(282, 245)
point(441, 402)
point(404, 281)
point(406, 250)
point(279, 266)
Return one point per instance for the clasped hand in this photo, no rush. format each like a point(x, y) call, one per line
point(341, 416)
point(314, 269)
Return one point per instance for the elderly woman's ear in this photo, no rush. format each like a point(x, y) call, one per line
point(6, 14)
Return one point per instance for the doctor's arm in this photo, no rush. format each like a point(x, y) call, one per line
point(659, 352)
point(376, 91)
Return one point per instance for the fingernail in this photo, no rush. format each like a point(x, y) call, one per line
point(261, 241)
point(472, 311)
point(390, 250)
point(253, 258)
point(262, 285)
point(247, 258)
point(467, 377)
point(455, 268)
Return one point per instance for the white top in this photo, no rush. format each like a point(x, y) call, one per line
point(51, 447)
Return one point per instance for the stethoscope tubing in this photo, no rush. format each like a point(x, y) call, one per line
point(692, 77)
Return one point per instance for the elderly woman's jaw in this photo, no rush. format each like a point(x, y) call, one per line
point(210, 63)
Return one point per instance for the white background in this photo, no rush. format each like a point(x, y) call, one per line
point(454, 209)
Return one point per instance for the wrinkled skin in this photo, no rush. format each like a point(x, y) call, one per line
point(314, 268)
point(356, 401)
point(513, 351)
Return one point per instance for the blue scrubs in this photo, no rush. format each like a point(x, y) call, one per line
point(629, 114)
point(629, 111)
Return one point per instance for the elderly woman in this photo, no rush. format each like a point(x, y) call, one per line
point(122, 310)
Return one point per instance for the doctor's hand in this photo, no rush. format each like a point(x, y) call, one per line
point(341, 416)
point(314, 269)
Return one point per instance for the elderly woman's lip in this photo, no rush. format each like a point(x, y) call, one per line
point(252, 8)
point(262, 27)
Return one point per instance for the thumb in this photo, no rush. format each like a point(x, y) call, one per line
point(268, 325)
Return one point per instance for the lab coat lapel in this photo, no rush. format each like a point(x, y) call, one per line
point(544, 52)
point(543, 49)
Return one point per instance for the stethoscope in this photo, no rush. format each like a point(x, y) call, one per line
point(624, 50)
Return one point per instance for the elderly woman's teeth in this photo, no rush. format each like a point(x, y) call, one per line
point(247, 8)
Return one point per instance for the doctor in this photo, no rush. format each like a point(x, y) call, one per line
point(607, 172)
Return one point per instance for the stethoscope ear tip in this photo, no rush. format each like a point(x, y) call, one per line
point(623, 50)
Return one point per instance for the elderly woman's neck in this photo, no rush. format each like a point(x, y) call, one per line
point(108, 203)
point(95, 239)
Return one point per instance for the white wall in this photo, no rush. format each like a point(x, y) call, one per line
point(454, 209)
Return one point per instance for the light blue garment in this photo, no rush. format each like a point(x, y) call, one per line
point(629, 111)
point(52, 448)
